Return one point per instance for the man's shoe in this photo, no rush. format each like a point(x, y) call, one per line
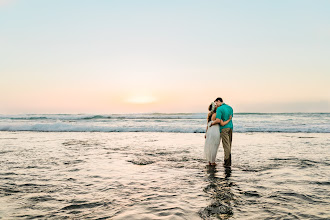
point(227, 163)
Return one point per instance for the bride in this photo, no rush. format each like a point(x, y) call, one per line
point(212, 136)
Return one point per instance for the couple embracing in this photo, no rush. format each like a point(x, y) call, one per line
point(219, 126)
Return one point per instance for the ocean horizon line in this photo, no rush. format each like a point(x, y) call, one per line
point(165, 113)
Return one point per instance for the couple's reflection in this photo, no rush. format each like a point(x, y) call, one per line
point(212, 171)
point(218, 188)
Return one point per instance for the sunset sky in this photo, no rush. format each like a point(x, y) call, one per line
point(107, 56)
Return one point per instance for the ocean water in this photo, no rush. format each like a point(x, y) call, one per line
point(158, 122)
point(280, 168)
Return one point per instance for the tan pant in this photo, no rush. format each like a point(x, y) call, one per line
point(227, 138)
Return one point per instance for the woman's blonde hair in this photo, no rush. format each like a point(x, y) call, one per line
point(212, 109)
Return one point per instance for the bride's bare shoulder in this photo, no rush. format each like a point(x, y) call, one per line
point(214, 116)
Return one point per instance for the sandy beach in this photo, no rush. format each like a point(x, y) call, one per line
point(138, 175)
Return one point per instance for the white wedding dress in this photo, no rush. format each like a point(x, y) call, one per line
point(212, 142)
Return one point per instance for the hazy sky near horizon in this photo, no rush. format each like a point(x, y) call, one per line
point(164, 56)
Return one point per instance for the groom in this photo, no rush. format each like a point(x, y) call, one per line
point(226, 132)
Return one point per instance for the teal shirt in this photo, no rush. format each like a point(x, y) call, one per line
point(223, 113)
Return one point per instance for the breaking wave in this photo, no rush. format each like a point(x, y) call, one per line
point(158, 122)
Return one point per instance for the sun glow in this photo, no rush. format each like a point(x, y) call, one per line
point(141, 99)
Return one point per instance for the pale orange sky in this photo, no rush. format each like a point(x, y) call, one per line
point(164, 56)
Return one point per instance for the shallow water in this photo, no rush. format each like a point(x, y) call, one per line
point(75, 175)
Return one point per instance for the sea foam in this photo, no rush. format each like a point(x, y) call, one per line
point(157, 122)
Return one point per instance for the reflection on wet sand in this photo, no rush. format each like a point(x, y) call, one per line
point(219, 190)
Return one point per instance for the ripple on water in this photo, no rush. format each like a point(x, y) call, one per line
point(300, 162)
point(299, 196)
point(252, 194)
point(218, 209)
point(326, 183)
point(141, 161)
point(178, 159)
point(84, 205)
point(69, 162)
point(43, 198)
point(6, 151)
point(87, 143)
point(8, 174)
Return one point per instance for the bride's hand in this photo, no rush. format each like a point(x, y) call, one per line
point(230, 117)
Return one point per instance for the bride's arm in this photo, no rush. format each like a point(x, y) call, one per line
point(206, 131)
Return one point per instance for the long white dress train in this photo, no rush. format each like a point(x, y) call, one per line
point(212, 142)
